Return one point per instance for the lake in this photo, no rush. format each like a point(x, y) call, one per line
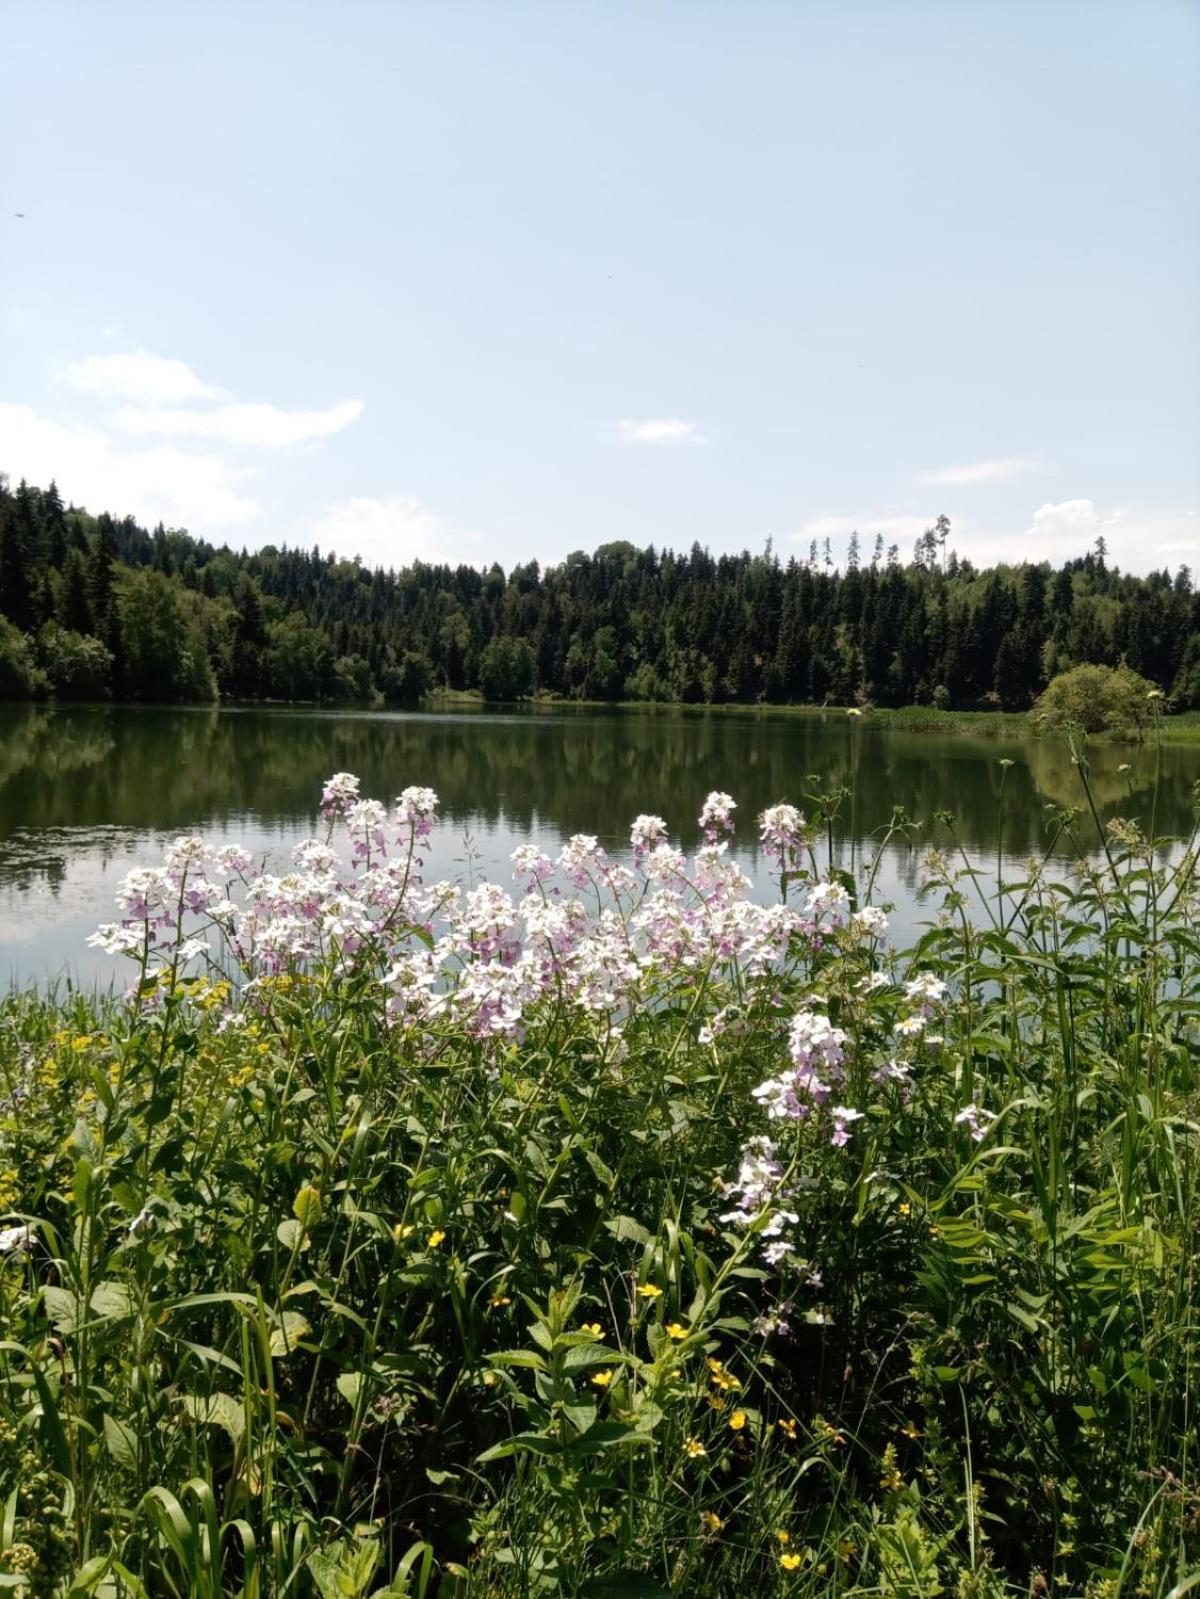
point(86, 793)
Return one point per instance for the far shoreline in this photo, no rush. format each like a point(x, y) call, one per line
point(1181, 728)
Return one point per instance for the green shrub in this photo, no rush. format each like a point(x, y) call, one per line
point(1099, 699)
point(19, 679)
point(77, 667)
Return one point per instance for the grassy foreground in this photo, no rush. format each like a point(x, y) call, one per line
point(617, 1238)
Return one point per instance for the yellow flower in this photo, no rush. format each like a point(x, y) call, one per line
point(722, 1379)
point(788, 1428)
point(905, 1208)
point(601, 1379)
point(710, 1521)
point(737, 1421)
point(694, 1448)
point(499, 1299)
point(716, 1401)
point(790, 1562)
point(436, 1237)
point(401, 1231)
point(911, 1430)
point(676, 1329)
point(649, 1291)
point(784, 1535)
point(490, 1379)
point(593, 1327)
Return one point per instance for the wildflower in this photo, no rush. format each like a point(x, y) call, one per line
point(710, 1521)
point(976, 1119)
point(716, 815)
point(788, 1428)
point(593, 1327)
point(403, 1230)
point(890, 1479)
point(905, 1208)
point(649, 1291)
point(676, 1330)
point(790, 1561)
point(781, 829)
point(647, 832)
point(722, 1379)
point(927, 989)
point(783, 1535)
point(737, 1421)
point(436, 1237)
point(601, 1379)
point(497, 1300)
point(693, 1448)
point(911, 1430)
point(842, 1116)
point(339, 794)
point(870, 921)
point(15, 1239)
point(827, 898)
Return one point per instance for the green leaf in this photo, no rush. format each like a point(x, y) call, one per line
point(289, 1329)
point(581, 1417)
point(62, 1307)
point(216, 1410)
point(121, 1441)
point(626, 1230)
point(349, 1385)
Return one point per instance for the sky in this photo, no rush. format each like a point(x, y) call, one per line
point(502, 280)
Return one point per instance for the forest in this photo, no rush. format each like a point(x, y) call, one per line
point(95, 607)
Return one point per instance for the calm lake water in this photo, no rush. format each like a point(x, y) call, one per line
point(87, 793)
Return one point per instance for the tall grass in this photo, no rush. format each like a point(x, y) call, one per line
point(345, 1263)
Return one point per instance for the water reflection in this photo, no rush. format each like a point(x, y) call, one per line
point(84, 792)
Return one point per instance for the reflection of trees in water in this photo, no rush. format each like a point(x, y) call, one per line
point(559, 773)
point(21, 871)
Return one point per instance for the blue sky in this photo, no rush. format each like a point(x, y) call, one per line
point(506, 279)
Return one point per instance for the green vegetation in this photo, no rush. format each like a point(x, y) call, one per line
point(1099, 699)
point(622, 1239)
point(98, 606)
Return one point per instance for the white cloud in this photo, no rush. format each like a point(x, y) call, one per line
point(392, 532)
point(1138, 538)
point(200, 492)
point(266, 426)
point(1076, 520)
point(978, 472)
point(138, 375)
point(659, 430)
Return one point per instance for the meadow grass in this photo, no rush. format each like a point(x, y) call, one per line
point(620, 1238)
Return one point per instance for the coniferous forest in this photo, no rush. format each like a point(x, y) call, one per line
point(95, 607)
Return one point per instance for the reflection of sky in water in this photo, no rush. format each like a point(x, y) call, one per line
point(86, 793)
point(57, 885)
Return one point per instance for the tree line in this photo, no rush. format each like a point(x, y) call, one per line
point(95, 607)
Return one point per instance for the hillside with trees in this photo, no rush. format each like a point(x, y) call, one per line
point(95, 607)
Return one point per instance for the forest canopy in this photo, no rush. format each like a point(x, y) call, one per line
point(95, 607)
